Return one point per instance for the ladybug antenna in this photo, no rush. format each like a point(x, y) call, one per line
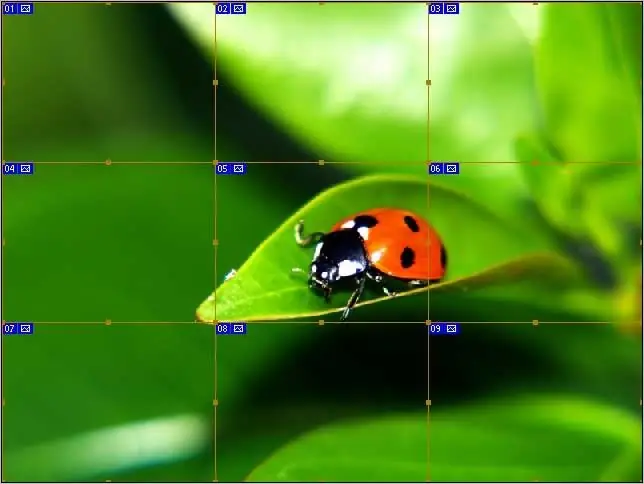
point(306, 240)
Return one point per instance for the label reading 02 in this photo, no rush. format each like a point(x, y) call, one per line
point(234, 8)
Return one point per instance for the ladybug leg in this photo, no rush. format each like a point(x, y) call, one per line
point(388, 292)
point(355, 297)
point(378, 279)
point(418, 283)
point(301, 239)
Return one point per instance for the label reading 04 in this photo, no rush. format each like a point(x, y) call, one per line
point(17, 168)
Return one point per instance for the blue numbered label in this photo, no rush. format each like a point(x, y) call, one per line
point(436, 168)
point(231, 168)
point(447, 329)
point(435, 8)
point(222, 8)
point(10, 8)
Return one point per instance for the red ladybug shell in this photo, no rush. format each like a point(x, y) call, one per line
point(399, 243)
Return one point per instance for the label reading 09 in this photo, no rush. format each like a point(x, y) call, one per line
point(444, 329)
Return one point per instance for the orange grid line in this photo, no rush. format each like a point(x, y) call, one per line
point(109, 322)
point(326, 162)
point(215, 242)
point(428, 156)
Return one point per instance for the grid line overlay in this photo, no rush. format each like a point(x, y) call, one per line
point(216, 244)
point(428, 85)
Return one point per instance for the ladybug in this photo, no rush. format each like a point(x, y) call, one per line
point(388, 246)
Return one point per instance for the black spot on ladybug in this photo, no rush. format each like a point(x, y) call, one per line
point(443, 256)
point(367, 221)
point(411, 223)
point(407, 258)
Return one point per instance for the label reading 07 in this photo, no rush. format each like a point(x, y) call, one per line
point(17, 328)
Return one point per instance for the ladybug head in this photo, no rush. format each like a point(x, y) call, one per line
point(322, 274)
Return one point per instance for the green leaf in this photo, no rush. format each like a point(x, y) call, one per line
point(597, 202)
point(589, 64)
point(550, 439)
point(483, 249)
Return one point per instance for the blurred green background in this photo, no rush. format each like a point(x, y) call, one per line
point(89, 242)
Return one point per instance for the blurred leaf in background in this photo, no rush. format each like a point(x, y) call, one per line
point(588, 184)
point(482, 443)
point(356, 91)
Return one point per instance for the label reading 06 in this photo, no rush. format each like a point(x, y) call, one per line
point(444, 168)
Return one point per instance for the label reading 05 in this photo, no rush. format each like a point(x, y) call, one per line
point(231, 168)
